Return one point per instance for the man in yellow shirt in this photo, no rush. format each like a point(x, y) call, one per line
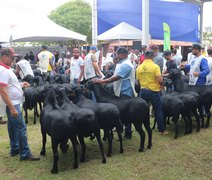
point(45, 60)
point(151, 82)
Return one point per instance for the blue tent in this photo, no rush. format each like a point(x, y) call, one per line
point(182, 17)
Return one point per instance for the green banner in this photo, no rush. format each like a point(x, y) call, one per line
point(166, 42)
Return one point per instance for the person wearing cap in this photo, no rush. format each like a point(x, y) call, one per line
point(76, 69)
point(12, 95)
point(150, 80)
point(45, 60)
point(158, 58)
point(123, 80)
point(91, 68)
point(23, 67)
point(170, 63)
point(209, 59)
point(198, 68)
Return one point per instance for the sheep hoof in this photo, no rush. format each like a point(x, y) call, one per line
point(121, 151)
point(75, 166)
point(43, 153)
point(54, 171)
point(108, 154)
point(198, 130)
point(149, 146)
point(104, 161)
point(141, 150)
point(82, 160)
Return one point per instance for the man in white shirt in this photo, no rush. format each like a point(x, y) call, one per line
point(23, 68)
point(76, 69)
point(91, 68)
point(12, 95)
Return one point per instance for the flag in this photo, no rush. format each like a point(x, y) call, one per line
point(166, 42)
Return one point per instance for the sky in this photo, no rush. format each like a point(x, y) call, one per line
point(46, 6)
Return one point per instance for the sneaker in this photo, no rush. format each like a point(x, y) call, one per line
point(14, 153)
point(31, 158)
point(163, 133)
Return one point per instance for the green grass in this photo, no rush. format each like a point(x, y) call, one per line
point(188, 157)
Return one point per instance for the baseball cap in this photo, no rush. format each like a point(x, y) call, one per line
point(9, 52)
point(12, 52)
point(122, 50)
point(94, 48)
point(196, 46)
point(167, 53)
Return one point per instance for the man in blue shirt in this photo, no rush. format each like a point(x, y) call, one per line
point(198, 68)
point(123, 80)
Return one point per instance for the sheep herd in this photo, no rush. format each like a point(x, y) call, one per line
point(68, 113)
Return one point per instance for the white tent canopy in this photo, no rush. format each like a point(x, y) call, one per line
point(122, 31)
point(46, 30)
point(39, 28)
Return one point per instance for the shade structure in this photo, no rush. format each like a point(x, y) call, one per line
point(122, 31)
point(46, 30)
point(40, 28)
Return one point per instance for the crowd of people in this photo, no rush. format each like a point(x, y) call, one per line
point(122, 68)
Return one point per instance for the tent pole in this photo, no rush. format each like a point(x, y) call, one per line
point(94, 22)
point(145, 22)
point(201, 23)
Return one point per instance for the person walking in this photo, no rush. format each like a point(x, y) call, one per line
point(12, 95)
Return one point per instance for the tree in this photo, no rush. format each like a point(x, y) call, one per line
point(207, 38)
point(76, 16)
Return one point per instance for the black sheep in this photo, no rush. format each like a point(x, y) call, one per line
point(58, 124)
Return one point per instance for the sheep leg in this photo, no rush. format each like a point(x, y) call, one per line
point(121, 150)
point(175, 120)
point(188, 123)
point(109, 137)
point(139, 129)
point(74, 144)
point(37, 111)
point(64, 146)
point(97, 134)
point(207, 110)
point(43, 150)
point(83, 147)
point(35, 114)
point(149, 132)
point(201, 116)
point(26, 113)
point(55, 144)
point(153, 127)
point(197, 119)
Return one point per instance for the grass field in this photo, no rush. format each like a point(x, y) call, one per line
point(188, 157)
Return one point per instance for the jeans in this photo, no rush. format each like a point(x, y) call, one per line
point(155, 99)
point(17, 134)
